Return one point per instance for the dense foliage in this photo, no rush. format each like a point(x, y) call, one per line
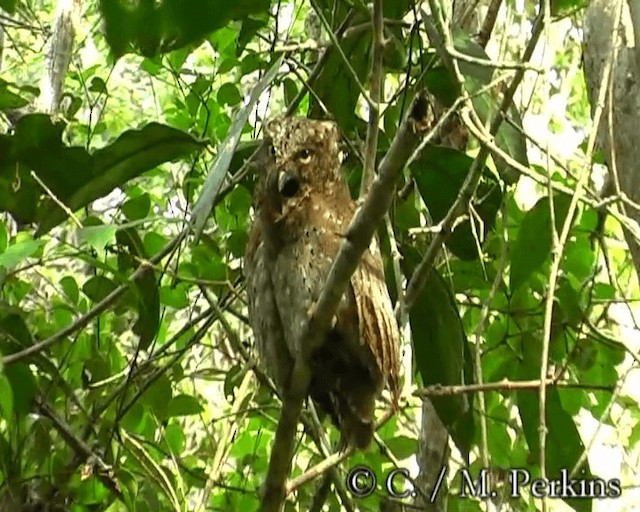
point(127, 375)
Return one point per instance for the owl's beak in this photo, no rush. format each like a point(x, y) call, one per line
point(288, 184)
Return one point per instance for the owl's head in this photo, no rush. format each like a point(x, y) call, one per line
point(303, 154)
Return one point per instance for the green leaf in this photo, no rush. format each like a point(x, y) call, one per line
point(174, 435)
point(98, 287)
point(290, 90)
point(533, 243)
point(9, 100)
point(130, 155)
point(137, 208)
point(145, 286)
point(232, 380)
point(441, 350)
point(23, 385)
point(174, 297)
point(8, 5)
point(564, 446)
point(98, 236)
point(6, 398)
point(157, 27)
point(70, 289)
point(228, 94)
point(19, 252)
point(402, 447)
point(157, 396)
point(184, 405)
point(439, 174)
point(14, 330)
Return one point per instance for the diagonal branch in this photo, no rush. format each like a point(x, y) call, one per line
point(377, 86)
point(357, 239)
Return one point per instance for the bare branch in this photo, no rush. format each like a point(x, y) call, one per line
point(507, 385)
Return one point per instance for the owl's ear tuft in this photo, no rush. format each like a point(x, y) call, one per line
point(331, 127)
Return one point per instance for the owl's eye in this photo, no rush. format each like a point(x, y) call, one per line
point(304, 156)
point(272, 150)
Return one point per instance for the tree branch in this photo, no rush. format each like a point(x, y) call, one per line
point(97, 310)
point(507, 385)
point(377, 80)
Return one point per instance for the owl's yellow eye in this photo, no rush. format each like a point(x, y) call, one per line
point(304, 156)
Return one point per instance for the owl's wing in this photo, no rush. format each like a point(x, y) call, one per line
point(361, 353)
point(377, 323)
point(263, 310)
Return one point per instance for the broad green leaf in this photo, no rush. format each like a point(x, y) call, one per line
point(98, 287)
point(131, 154)
point(137, 208)
point(14, 333)
point(184, 405)
point(157, 396)
point(175, 438)
point(228, 94)
point(145, 286)
point(564, 446)
point(441, 351)
point(23, 385)
point(439, 174)
point(533, 243)
point(154, 242)
point(159, 27)
point(19, 252)
point(98, 236)
point(176, 297)
point(6, 399)
point(10, 100)
point(9, 5)
point(402, 446)
point(290, 90)
point(70, 288)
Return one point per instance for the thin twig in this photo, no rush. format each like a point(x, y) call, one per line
point(488, 23)
point(507, 385)
point(558, 250)
point(83, 450)
point(377, 86)
point(97, 310)
point(419, 277)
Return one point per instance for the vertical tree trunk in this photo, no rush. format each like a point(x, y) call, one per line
point(58, 56)
point(607, 40)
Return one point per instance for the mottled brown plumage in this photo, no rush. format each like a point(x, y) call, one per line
point(302, 210)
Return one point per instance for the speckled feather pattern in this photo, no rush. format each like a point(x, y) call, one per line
point(293, 242)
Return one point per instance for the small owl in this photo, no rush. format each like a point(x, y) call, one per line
point(302, 210)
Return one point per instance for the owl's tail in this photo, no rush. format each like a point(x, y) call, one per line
point(357, 424)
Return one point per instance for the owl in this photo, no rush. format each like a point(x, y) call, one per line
point(302, 210)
